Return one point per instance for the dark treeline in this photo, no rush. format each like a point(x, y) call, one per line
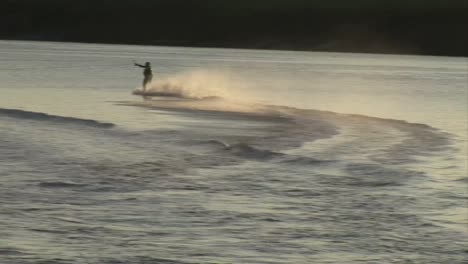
point(433, 27)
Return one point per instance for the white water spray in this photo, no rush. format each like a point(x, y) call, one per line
point(202, 84)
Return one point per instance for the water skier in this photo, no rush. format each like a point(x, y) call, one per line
point(147, 73)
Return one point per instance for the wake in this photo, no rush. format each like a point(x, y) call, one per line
point(209, 94)
point(288, 127)
point(22, 114)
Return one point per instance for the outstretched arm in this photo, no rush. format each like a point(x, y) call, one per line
point(139, 65)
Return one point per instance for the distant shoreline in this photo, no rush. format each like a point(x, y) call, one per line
point(419, 27)
point(214, 46)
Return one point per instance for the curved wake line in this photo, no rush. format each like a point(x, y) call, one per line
point(351, 117)
point(213, 107)
point(22, 114)
point(292, 127)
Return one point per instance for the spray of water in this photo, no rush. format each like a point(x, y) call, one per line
point(211, 90)
point(202, 84)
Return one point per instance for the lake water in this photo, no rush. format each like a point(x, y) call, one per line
point(265, 156)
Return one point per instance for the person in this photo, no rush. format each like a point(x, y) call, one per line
point(147, 73)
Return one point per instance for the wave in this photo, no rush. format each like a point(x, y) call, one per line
point(376, 175)
point(288, 127)
point(247, 151)
point(415, 139)
point(141, 259)
point(213, 108)
point(60, 185)
point(463, 180)
point(351, 117)
point(305, 161)
point(22, 114)
point(215, 143)
point(243, 150)
point(5, 251)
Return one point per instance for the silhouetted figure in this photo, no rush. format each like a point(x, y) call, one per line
point(147, 73)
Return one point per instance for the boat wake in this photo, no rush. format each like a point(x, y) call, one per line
point(37, 116)
point(381, 140)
